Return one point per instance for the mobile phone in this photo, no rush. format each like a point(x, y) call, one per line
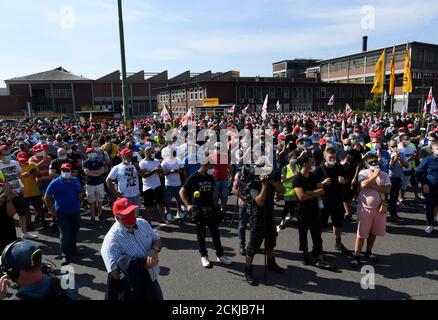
point(32, 171)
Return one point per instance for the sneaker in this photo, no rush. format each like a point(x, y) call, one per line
point(355, 262)
point(272, 265)
point(429, 229)
point(282, 225)
point(249, 277)
point(65, 261)
point(371, 257)
point(306, 258)
point(178, 215)
point(205, 262)
point(341, 248)
point(225, 260)
point(29, 236)
point(242, 251)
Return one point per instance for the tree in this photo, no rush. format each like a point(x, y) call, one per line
point(373, 105)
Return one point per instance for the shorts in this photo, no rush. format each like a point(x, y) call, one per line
point(335, 211)
point(406, 177)
point(153, 197)
point(36, 202)
point(370, 221)
point(222, 189)
point(172, 192)
point(95, 193)
point(20, 205)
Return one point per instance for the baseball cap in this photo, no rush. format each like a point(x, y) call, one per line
point(125, 151)
point(401, 129)
point(410, 125)
point(89, 150)
point(322, 141)
point(123, 207)
point(66, 166)
point(37, 148)
point(3, 147)
point(22, 255)
point(22, 156)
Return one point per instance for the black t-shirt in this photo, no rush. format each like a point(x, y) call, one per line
point(204, 184)
point(255, 189)
point(334, 190)
point(307, 184)
point(93, 165)
point(57, 163)
point(7, 229)
point(352, 159)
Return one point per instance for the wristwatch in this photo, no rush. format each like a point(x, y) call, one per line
point(156, 249)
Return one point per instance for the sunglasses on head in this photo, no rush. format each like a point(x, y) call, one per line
point(373, 163)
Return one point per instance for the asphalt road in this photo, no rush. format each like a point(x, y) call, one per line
point(407, 266)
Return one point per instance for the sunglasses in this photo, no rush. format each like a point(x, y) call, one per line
point(373, 163)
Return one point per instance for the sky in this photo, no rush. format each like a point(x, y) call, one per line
point(200, 35)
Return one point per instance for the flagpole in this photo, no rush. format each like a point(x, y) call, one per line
point(382, 108)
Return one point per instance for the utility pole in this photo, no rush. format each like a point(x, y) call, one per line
point(125, 92)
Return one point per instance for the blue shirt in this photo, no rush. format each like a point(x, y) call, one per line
point(191, 164)
point(396, 171)
point(66, 195)
point(427, 171)
point(93, 165)
point(384, 161)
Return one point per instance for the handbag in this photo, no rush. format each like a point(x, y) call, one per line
point(384, 205)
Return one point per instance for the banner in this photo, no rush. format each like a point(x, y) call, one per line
point(380, 75)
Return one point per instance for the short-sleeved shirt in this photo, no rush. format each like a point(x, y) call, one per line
point(396, 171)
point(173, 179)
point(334, 190)
point(221, 167)
point(384, 160)
point(191, 164)
point(408, 152)
point(30, 186)
point(153, 181)
point(307, 184)
point(204, 184)
point(66, 195)
point(370, 198)
point(11, 173)
point(57, 163)
point(128, 183)
point(93, 165)
point(43, 168)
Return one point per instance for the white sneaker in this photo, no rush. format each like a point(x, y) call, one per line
point(429, 229)
point(178, 215)
point(224, 260)
point(205, 262)
point(29, 236)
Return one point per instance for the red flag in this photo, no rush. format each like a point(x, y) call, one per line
point(165, 114)
point(187, 118)
point(245, 111)
point(232, 109)
point(430, 96)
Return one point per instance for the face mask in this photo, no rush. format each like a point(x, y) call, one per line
point(129, 219)
point(347, 148)
point(394, 149)
point(63, 157)
point(331, 163)
point(313, 169)
point(376, 146)
point(210, 172)
point(435, 153)
point(40, 154)
point(374, 167)
point(66, 175)
point(92, 156)
point(153, 155)
point(349, 130)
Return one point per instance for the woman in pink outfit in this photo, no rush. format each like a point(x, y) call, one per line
point(374, 184)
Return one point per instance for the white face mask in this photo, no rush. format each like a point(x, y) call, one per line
point(40, 154)
point(435, 153)
point(313, 169)
point(376, 146)
point(210, 172)
point(92, 156)
point(374, 167)
point(330, 163)
point(347, 148)
point(66, 175)
point(63, 157)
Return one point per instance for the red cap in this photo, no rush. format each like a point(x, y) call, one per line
point(281, 136)
point(401, 129)
point(410, 125)
point(379, 132)
point(125, 151)
point(37, 148)
point(45, 146)
point(123, 207)
point(22, 156)
point(297, 129)
point(89, 150)
point(3, 147)
point(322, 141)
point(373, 135)
point(275, 132)
point(66, 166)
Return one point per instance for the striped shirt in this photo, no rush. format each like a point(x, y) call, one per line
point(120, 242)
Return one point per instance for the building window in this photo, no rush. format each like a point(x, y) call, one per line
point(323, 92)
point(196, 94)
point(278, 93)
point(242, 92)
point(272, 92)
point(286, 93)
point(259, 93)
point(191, 95)
point(201, 93)
point(251, 93)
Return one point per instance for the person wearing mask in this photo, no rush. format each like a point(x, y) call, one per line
point(42, 160)
point(197, 195)
point(374, 184)
point(55, 165)
point(153, 193)
point(427, 174)
point(426, 149)
point(308, 190)
point(331, 175)
point(132, 238)
point(382, 155)
point(11, 171)
point(396, 165)
point(94, 183)
point(172, 169)
point(409, 152)
point(288, 173)
point(63, 198)
point(126, 175)
point(8, 233)
point(101, 155)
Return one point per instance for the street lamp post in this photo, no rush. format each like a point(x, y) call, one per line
point(125, 92)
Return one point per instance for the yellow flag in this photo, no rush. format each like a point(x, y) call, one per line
point(392, 79)
point(380, 75)
point(407, 78)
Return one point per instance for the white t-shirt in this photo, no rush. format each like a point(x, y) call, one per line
point(11, 172)
point(127, 179)
point(173, 179)
point(153, 181)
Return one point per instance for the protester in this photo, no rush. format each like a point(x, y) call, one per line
point(95, 191)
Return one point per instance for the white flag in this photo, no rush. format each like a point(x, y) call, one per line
point(433, 108)
point(265, 108)
point(343, 126)
point(165, 114)
point(430, 96)
point(425, 107)
point(348, 109)
point(187, 118)
point(278, 106)
point(245, 111)
point(232, 109)
point(331, 101)
point(91, 117)
point(385, 98)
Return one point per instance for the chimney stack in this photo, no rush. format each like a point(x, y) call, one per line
point(365, 43)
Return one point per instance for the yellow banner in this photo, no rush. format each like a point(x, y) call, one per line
point(380, 75)
point(392, 79)
point(407, 77)
point(210, 102)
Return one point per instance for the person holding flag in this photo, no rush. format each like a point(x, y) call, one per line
point(232, 109)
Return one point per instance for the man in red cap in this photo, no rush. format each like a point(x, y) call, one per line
point(414, 135)
point(134, 239)
point(42, 161)
point(64, 196)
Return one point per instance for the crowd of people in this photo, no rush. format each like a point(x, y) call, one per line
point(322, 167)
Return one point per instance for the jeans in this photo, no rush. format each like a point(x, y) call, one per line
point(431, 203)
point(396, 184)
point(222, 190)
point(214, 232)
point(243, 221)
point(69, 225)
